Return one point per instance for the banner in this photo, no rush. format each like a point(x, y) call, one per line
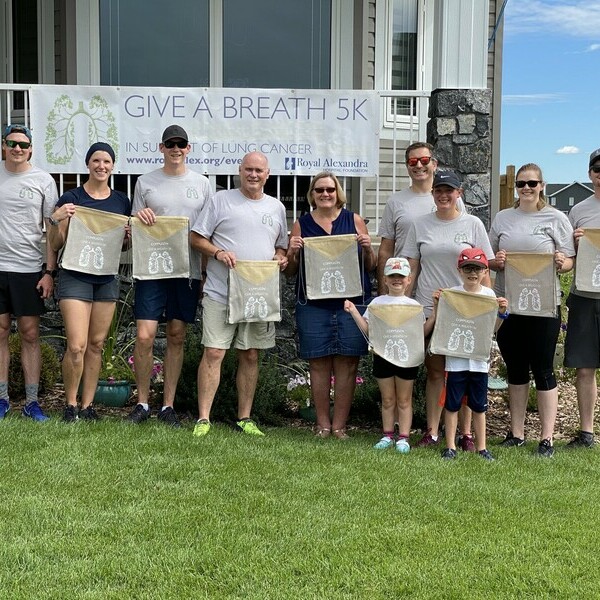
point(302, 132)
point(160, 251)
point(94, 242)
point(587, 264)
point(464, 325)
point(530, 282)
point(396, 333)
point(253, 294)
point(331, 267)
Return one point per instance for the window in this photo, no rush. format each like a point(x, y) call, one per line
point(553, 201)
point(403, 72)
point(571, 201)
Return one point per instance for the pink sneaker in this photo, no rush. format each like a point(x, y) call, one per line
point(427, 440)
point(466, 443)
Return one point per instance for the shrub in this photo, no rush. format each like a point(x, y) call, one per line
point(49, 372)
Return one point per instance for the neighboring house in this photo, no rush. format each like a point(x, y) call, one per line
point(566, 195)
point(411, 46)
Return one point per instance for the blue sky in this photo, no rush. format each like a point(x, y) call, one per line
point(551, 86)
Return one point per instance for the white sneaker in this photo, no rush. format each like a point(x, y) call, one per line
point(403, 446)
point(385, 442)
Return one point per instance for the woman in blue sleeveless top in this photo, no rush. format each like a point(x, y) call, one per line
point(328, 337)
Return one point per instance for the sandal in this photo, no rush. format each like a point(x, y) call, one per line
point(340, 434)
point(322, 432)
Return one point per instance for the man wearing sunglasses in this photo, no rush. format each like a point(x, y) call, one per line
point(176, 191)
point(27, 198)
point(582, 345)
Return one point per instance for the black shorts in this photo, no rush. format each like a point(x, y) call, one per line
point(471, 384)
point(582, 345)
point(382, 369)
point(19, 294)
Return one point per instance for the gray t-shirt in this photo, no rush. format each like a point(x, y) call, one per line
point(516, 230)
point(585, 214)
point(436, 244)
point(174, 196)
point(401, 210)
point(252, 229)
point(25, 200)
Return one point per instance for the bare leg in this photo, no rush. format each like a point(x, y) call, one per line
point(587, 392)
point(173, 362)
point(404, 409)
point(4, 351)
point(246, 380)
point(209, 376)
point(31, 354)
point(451, 423)
point(387, 387)
point(435, 365)
point(547, 409)
point(479, 426)
point(464, 417)
point(143, 357)
point(345, 369)
point(320, 383)
point(518, 395)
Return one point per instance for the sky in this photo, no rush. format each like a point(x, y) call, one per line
point(551, 86)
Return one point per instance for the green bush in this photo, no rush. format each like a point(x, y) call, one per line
point(50, 370)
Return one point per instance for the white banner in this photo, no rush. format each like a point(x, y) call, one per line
point(301, 132)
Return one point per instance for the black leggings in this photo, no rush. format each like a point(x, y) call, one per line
point(529, 343)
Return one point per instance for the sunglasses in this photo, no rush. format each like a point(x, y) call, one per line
point(424, 160)
point(473, 268)
point(329, 190)
point(595, 168)
point(172, 143)
point(531, 183)
point(14, 144)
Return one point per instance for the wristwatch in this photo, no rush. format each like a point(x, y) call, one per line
point(53, 221)
point(53, 273)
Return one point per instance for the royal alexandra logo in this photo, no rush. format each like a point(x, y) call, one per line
point(68, 124)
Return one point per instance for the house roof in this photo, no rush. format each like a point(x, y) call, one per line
point(552, 189)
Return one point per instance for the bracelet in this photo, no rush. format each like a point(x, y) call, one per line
point(217, 253)
point(53, 221)
point(503, 315)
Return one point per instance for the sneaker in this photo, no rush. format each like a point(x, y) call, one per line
point(583, 439)
point(486, 455)
point(402, 445)
point(385, 442)
point(510, 441)
point(70, 414)
point(33, 410)
point(89, 414)
point(427, 440)
point(202, 427)
point(139, 414)
point(545, 449)
point(4, 408)
point(449, 454)
point(466, 443)
point(249, 426)
point(169, 417)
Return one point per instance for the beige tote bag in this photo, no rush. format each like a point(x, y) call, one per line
point(587, 264)
point(160, 251)
point(254, 292)
point(530, 282)
point(94, 242)
point(331, 267)
point(396, 333)
point(464, 325)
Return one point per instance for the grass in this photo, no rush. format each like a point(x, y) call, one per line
point(110, 510)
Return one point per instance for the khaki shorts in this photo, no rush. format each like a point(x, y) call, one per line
point(217, 333)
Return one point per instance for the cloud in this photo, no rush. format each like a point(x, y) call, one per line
point(568, 150)
point(571, 17)
point(592, 48)
point(528, 99)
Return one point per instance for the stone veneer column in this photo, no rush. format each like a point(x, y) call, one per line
point(460, 130)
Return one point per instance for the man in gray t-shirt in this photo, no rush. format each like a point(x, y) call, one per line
point(27, 198)
point(582, 344)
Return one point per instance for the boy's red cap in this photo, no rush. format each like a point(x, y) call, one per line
point(472, 256)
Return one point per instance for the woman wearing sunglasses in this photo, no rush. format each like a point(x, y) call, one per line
point(328, 336)
point(87, 302)
point(527, 343)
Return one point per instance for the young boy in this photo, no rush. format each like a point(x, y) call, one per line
point(467, 377)
point(395, 383)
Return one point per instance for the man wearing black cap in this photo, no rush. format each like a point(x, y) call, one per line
point(173, 190)
point(27, 199)
point(582, 345)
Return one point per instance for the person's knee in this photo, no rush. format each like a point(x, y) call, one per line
point(545, 380)
point(212, 356)
point(30, 335)
point(248, 357)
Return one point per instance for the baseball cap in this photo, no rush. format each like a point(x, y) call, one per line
point(396, 266)
point(17, 129)
point(472, 256)
point(449, 178)
point(174, 131)
point(594, 156)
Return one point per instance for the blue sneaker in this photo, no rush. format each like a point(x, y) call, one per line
point(34, 411)
point(4, 408)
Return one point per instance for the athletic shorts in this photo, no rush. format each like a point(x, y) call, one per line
point(71, 288)
point(582, 345)
point(471, 384)
point(19, 294)
point(217, 333)
point(166, 299)
point(383, 369)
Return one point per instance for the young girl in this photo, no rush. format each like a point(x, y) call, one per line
point(395, 383)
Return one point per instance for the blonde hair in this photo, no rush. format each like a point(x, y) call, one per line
point(339, 192)
point(533, 167)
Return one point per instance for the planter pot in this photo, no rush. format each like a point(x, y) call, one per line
point(113, 393)
point(308, 414)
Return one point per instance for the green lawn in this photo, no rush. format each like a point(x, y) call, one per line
point(111, 510)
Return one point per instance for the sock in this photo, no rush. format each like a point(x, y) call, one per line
point(389, 434)
point(435, 438)
point(146, 406)
point(4, 389)
point(31, 392)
